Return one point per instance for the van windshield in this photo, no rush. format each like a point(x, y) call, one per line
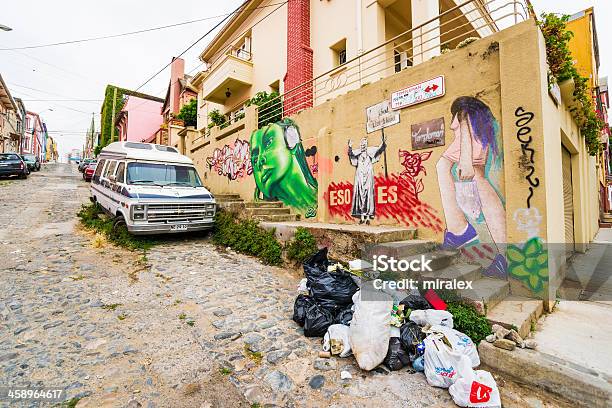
point(162, 175)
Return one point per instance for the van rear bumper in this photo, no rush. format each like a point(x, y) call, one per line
point(161, 228)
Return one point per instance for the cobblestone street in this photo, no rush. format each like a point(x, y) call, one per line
point(187, 326)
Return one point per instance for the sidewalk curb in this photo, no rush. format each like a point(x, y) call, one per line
point(581, 386)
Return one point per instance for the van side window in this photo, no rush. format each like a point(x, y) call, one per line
point(99, 168)
point(110, 169)
point(120, 173)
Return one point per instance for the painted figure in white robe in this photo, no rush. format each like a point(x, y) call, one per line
point(363, 189)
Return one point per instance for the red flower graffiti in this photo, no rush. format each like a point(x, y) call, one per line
point(413, 166)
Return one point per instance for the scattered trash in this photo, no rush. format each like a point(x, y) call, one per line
point(419, 364)
point(411, 336)
point(317, 320)
point(432, 317)
point(359, 265)
point(508, 339)
point(330, 290)
point(303, 287)
point(337, 341)
point(415, 302)
point(434, 300)
point(443, 363)
point(460, 343)
point(344, 316)
point(370, 328)
point(324, 354)
point(476, 389)
point(345, 375)
point(398, 316)
point(397, 357)
point(302, 302)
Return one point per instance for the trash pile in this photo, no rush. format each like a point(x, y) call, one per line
point(398, 331)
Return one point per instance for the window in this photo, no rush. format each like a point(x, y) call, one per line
point(120, 173)
point(135, 145)
point(339, 53)
point(110, 169)
point(98, 172)
point(162, 175)
point(243, 49)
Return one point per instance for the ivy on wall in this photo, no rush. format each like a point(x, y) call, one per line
point(107, 121)
point(560, 64)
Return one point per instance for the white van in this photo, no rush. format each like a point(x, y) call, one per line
point(152, 189)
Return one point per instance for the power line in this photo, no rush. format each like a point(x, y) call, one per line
point(146, 30)
point(194, 43)
point(62, 100)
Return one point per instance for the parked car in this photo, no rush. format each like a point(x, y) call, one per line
point(32, 161)
point(89, 170)
point(11, 164)
point(151, 189)
point(83, 163)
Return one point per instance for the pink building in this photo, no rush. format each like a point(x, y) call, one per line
point(140, 118)
point(33, 137)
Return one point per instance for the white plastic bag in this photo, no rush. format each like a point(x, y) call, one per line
point(432, 317)
point(476, 390)
point(443, 364)
point(460, 342)
point(370, 327)
point(337, 340)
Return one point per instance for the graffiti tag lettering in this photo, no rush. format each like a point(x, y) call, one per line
point(232, 162)
point(527, 162)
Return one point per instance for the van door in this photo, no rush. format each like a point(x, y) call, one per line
point(107, 201)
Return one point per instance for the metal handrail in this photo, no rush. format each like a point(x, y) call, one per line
point(361, 68)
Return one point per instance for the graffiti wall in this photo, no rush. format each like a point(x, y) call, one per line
point(233, 162)
point(282, 169)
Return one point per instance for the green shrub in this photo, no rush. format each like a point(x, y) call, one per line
point(189, 113)
point(90, 216)
point(467, 320)
point(247, 237)
point(302, 246)
point(216, 119)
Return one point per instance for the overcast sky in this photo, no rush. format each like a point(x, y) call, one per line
point(81, 71)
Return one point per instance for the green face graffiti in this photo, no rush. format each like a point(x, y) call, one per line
point(280, 168)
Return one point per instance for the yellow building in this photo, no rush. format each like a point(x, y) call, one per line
point(585, 52)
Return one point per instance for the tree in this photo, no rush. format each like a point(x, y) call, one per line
point(189, 113)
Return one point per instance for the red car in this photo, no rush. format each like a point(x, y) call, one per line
point(89, 171)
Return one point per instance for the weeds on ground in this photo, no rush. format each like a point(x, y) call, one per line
point(92, 217)
point(247, 237)
point(182, 316)
point(302, 246)
point(467, 320)
point(255, 356)
point(71, 403)
point(122, 316)
point(225, 370)
point(111, 306)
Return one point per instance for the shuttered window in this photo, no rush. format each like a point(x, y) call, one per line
point(568, 200)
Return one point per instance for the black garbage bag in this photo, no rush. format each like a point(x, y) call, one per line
point(332, 290)
point(396, 357)
point(410, 336)
point(317, 320)
point(415, 302)
point(344, 316)
point(299, 308)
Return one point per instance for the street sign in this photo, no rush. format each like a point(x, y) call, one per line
point(380, 116)
point(430, 89)
point(428, 134)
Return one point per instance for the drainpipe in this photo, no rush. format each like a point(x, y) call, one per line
point(359, 27)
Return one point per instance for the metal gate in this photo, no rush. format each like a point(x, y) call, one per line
point(568, 200)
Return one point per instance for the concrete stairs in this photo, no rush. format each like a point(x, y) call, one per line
point(264, 211)
point(490, 296)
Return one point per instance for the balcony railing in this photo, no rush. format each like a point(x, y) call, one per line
point(473, 18)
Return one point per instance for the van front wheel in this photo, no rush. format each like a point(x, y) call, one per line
point(119, 225)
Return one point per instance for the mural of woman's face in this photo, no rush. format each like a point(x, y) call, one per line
point(271, 158)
